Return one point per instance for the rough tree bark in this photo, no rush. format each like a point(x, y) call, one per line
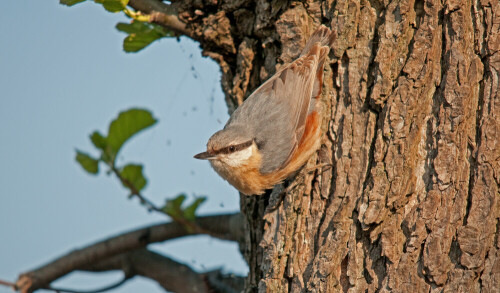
point(411, 201)
point(411, 100)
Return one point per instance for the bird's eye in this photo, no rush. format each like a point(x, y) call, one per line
point(232, 148)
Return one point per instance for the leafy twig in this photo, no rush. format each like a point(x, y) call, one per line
point(135, 192)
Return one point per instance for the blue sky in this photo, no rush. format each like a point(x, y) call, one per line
point(63, 75)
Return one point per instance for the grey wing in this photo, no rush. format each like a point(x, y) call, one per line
point(276, 112)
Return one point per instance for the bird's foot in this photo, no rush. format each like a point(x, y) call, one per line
point(278, 199)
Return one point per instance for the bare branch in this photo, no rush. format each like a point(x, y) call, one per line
point(162, 14)
point(227, 227)
point(8, 284)
point(104, 289)
point(171, 275)
point(225, 283)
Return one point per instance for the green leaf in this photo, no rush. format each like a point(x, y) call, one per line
point(127, 124)
point(141, 34)
point(98, 140)
point(133, 27)
point(70, 2)
point(136, 42)
point(113, 5)
point(88, 163)
point(173, 206)
point(189, 211)
point(132, 175)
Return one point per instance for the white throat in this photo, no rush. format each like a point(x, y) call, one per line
point(238, 158)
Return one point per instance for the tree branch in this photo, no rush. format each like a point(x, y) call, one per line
point(162, 14)
point(227, 227)
point(171, 275)
point(8, 284)
point(192, 226)
point(104, 289)
point(134, 192)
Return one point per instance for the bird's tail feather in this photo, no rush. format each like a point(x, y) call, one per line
point(322, 35)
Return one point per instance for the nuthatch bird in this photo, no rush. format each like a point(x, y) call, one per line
point(277, 129)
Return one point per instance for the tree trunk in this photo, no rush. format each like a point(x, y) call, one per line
point(412, 119)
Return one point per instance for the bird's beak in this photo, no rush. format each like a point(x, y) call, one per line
point(204, 156)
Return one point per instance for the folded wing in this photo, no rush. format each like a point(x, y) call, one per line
point(279, 109)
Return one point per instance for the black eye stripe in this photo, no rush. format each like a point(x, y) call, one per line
point(234, 148)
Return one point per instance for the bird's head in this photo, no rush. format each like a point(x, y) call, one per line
point(232, 146)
